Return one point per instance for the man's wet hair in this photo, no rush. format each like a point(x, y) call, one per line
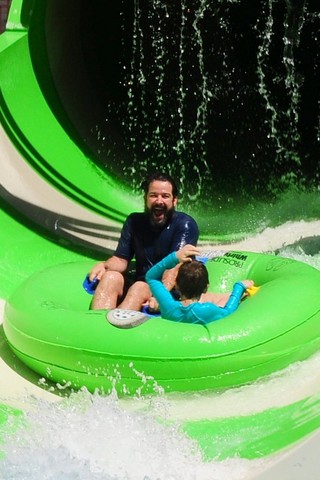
point(192, 279)
point(161, 177)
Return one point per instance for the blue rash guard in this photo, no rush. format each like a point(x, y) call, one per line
point(148, 245)
point(195, 312)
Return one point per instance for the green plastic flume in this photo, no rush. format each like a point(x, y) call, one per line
point(34, 119)
point(38, 128)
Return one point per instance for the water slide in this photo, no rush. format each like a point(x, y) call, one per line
point(58, 203)
point(54, 154)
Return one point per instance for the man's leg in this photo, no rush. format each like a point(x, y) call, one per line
point(108, 291)
point(136, 296)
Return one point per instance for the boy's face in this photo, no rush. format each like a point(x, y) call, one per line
point(160, 202)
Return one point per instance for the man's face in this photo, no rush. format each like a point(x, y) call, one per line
point(159, 202)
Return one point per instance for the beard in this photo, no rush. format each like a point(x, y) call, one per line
point(159, 216)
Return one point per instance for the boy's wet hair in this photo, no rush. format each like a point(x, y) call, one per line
point(161, 177)
point(192, 279)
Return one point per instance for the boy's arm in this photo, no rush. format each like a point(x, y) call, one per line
point(182, 255)
point(154, 280)
point(234, 300)
point(168, 262)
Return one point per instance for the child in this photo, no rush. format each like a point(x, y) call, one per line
point(192, 280)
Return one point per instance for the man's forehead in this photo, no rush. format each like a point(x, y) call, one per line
point(159, 186)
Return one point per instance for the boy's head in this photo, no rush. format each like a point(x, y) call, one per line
point(192, 279)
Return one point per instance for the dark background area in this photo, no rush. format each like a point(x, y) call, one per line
point(256, 95)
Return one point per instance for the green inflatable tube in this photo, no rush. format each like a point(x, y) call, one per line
point(49, 326)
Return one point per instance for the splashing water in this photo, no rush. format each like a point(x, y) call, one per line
point(286, 140)
point(155, 55)
point(92, 437)
point(219, 93)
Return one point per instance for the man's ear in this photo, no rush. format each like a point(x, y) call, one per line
point(175, 201)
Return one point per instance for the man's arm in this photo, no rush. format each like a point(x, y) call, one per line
point(120, 260)
point(169, 277)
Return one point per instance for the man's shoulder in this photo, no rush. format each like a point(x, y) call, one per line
point(136, 219)
point(182, 217)
point(136, 216)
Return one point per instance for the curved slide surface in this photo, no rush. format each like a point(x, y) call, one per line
point(56, 199)
point(40, 144)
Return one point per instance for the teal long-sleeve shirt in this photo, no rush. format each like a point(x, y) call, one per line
point(195, 312)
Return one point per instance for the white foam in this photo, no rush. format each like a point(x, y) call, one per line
point(271, 239)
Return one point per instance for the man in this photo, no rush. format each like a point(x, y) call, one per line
point(148, 237)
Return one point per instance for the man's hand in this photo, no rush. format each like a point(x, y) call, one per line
point(153, 305)
point(97, 271)
point(113, 263)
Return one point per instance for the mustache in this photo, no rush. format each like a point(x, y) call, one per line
point(166, 211)
point(154, 208)
point(162, 208)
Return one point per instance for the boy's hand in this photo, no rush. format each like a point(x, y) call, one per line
point(248, 283)
point(186, 252)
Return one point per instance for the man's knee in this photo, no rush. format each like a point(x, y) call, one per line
point(113, 280)
point(109, 291)
point(140, 288)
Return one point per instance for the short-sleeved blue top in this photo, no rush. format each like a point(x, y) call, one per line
point(148, 245)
